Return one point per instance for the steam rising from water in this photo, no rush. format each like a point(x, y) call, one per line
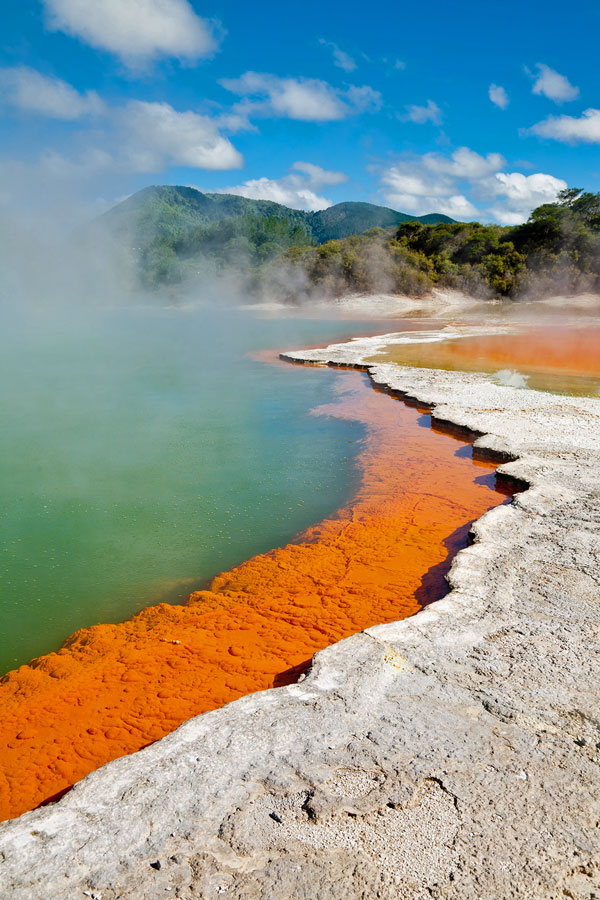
point(511, 378)
point(138, 441)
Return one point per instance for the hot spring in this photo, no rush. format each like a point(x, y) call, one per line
point(145, 451)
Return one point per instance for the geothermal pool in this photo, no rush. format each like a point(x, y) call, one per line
point(148, 450)
point(143, 451)
point(387, 520)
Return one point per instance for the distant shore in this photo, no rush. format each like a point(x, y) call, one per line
point(444, 305)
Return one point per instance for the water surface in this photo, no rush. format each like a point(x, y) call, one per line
point(143, 451)
point(562, 358)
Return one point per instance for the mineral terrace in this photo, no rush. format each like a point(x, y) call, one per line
point(451, 755)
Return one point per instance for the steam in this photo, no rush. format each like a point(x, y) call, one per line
point(50, 261)
point(511, 378)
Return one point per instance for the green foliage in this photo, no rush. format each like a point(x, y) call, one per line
point(179, 234)
point(345, 219)
point(243, 243)
point(556, 250)
point(176, 233)
point(374, 261)
point(561, 244)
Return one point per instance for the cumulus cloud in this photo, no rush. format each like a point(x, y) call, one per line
point(406, 190)
point(421, 114)
point(341, 59)
point(297, 189)
point(464, 163)
point(519, 194)
point(30, 91)
point(156, 135)
point(498, 95)
point(553, 85)
point(571, 129)
point(305, 99)
point(144, 137)
point(466, 185)
point(319, 177)
point(136, 31)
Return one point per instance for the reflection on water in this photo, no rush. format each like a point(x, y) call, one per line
point(560, 358)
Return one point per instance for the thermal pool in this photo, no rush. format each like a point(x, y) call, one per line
point(112, 689)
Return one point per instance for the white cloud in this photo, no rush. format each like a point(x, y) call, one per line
point(297, 98)
point(341, 59)
point(405, 181)
point(464, 163)
point(137, 31)
point(319, 177)
point(409, 191)
point(498, 95)
point(364, 99)
point(570, 129)
point(295, 190)
point(421, 114)
point(155, 135)
point(521, 194)
point(553, 85)
point(279, 191)
point(457, 206)
point(399, 64)
point(466, 185)
point(143, 137)
point(305, 99)
point(30, 91)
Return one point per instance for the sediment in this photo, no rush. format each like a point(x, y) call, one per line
point(454, 754)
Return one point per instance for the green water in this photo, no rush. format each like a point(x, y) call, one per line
point(143, 451)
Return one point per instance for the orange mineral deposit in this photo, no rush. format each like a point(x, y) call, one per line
point(544, 350)
point(112, 689)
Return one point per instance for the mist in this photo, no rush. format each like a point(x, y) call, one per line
point(142, 449)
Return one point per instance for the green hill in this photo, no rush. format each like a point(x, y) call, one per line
point(173, 234)
point(169, 211)
point(344, 219)
point(178, 236)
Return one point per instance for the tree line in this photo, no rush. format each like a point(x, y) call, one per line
point(556, 251)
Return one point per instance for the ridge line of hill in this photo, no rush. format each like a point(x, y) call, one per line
point(163, 210)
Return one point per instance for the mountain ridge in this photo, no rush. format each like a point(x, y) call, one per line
point(166, 210)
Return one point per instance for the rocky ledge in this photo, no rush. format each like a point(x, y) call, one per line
point(451, 755)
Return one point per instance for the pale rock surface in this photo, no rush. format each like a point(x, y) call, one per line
point(451, 755)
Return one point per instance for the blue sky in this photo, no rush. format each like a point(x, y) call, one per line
point(476, 110)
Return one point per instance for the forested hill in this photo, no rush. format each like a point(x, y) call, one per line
point(180, 237)
point(557, 251)
point(344, 219)
point(170, 211)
